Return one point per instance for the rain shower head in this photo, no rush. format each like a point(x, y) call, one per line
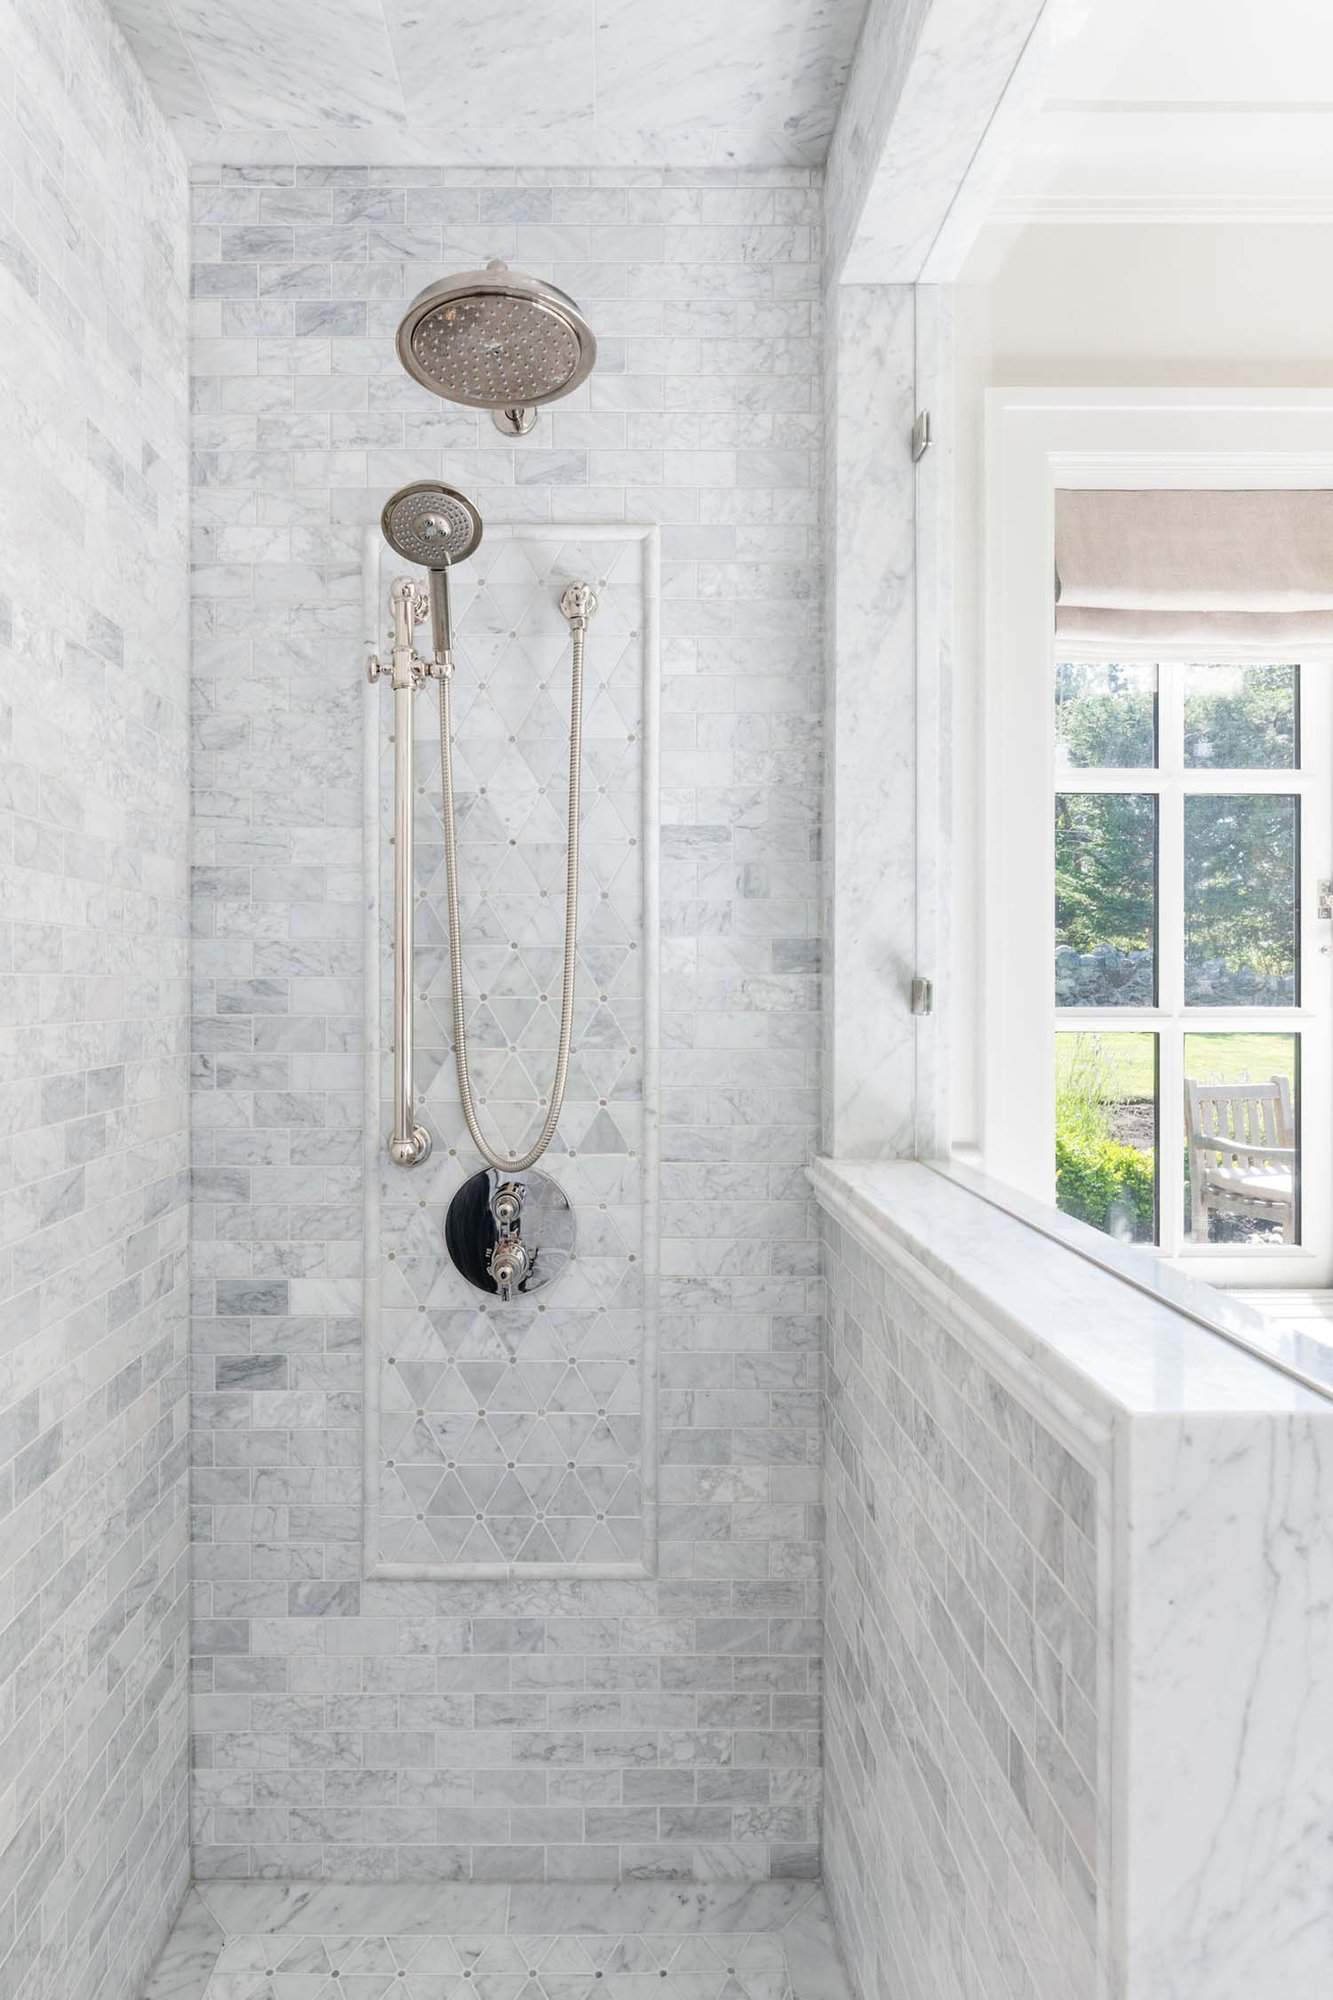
point(497, 340)
point(431, 524)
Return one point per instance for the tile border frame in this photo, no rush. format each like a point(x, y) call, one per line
point(649, 539)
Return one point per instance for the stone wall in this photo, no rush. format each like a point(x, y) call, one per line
point(961, 1825)
point(94, 986)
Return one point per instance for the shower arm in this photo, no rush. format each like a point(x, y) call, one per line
point(409, 1142)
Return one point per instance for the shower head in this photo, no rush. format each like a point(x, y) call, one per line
point(431, 524)
point(497, 340)
point(438, 527)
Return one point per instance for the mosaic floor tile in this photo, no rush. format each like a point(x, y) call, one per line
point(632, 1967)
point(705, 1959)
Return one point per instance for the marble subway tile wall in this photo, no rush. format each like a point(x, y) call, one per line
point(94, 804)
point(357, 1728)
point(964, 1836)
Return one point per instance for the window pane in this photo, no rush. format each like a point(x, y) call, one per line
point(1240, 900)
point(1241, 718)
point(1242, 1117)
point(1105, 899)
point(1105, 717)
point(1106, 1132)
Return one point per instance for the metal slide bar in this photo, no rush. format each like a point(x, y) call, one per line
point(409, 1142)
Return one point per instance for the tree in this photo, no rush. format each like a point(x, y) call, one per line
point(1105, 869)
point(1240, 847)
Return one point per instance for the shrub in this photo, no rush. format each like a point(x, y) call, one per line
point(1092, 1174)
point(1095, 1171)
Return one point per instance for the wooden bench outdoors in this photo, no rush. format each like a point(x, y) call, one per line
point(1242, 1153)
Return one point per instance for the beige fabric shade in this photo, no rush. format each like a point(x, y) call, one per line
point(1170, 570)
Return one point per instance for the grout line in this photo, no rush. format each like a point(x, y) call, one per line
point(815, 1890)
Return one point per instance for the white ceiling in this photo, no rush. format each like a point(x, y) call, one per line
point(1184, 107)
point(498, 82)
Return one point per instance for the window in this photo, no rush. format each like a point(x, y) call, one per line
point(1185, 796)
point(1152, 954)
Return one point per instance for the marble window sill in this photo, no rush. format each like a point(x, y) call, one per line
point(1146, 1342)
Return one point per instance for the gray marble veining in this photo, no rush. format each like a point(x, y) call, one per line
point(549, 82)
point(94, 998)
point(649, 1906)
point(711, 1942)
point(189, 1954)
point(906, 187)
point(316, 1909)
point(968, 1811)
point(870, 779)
point(661, 1725)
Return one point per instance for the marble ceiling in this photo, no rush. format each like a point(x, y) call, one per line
point(494, 82)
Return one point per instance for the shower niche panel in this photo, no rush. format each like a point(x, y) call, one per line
point(516, 1438)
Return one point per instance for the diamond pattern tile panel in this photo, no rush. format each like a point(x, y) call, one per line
point(513, 1434)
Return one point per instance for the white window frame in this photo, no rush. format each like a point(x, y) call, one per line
point(1039, 441)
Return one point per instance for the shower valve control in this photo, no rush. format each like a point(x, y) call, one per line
point(507, 1206)
point(509, 1267)
point(488, 1247)
point(508, 1263)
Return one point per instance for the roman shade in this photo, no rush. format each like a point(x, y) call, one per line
point(1170, 571)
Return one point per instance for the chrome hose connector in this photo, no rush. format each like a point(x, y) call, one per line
point(578, 602)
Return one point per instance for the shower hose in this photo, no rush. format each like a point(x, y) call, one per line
point(511, 1163)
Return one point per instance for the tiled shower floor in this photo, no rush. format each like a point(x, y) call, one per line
point(467, 1941)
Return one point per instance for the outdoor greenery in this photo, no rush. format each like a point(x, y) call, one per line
point(1240, 718)
point(1126, 1064)
point(1240, 871)
point(1239, 847)
point(1105, 870)
point(1101, 1182)
point(1099, 1178)
point(1236, 718)
point(1240, 888)
point(1105, 1081)
point(1106, 716)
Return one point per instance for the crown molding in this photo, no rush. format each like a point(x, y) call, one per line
point(1165, 210)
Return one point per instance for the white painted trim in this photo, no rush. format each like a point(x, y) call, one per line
point(1038, 440)
point(1082, 211)
point(649, 538)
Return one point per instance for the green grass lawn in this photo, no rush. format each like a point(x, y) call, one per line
point(1125, 1061)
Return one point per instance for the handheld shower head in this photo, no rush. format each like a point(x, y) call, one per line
point(430, 524)
point(497, 340)
point(436, 526)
